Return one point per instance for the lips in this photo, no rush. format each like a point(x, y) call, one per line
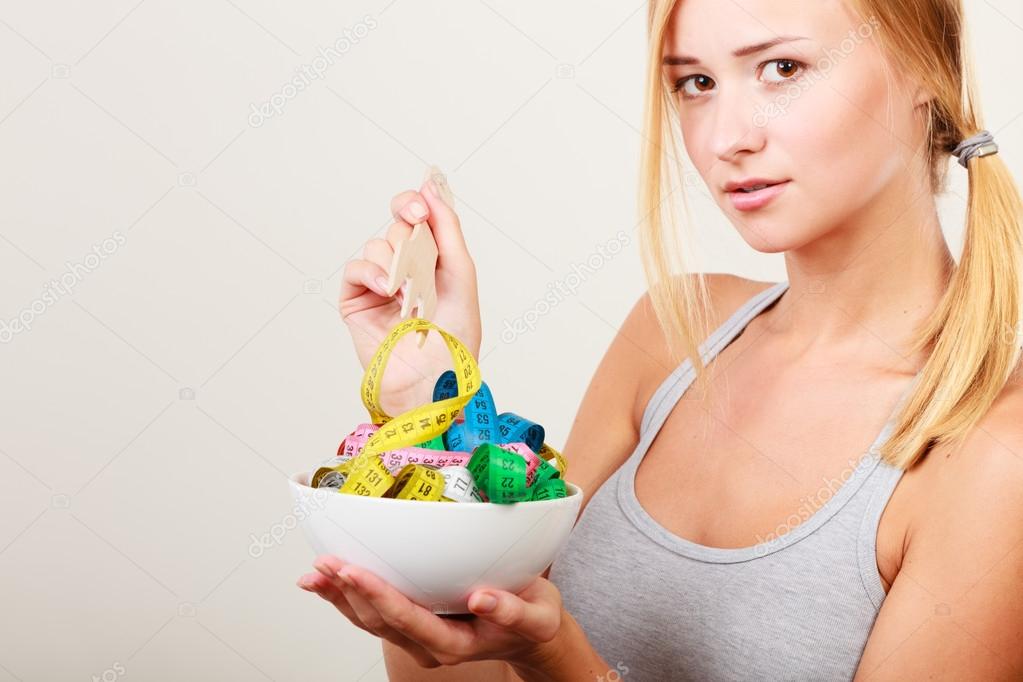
point(746, 185)
point(758, 199)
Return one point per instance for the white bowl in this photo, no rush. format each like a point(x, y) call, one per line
point(438, 553)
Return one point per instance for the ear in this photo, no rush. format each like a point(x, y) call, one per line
point(906, 82)
point(922, 96)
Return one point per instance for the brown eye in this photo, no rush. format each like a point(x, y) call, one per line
point(786, 69)
point(702, 84)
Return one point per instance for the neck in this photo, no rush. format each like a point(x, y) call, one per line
point(881, 274)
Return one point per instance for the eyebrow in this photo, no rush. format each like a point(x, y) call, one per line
point(683, 60)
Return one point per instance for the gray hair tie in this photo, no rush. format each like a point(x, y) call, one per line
point(981, 144)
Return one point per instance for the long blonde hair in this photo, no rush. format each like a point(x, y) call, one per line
point(972, 337)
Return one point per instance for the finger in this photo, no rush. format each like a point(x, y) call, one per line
point(447, 232)
point(410, 206)
point(381, 252)
point(369, 614)
point(362, 275)
point(434, 633)
point(328, 566)
point(327, 590)
point(378, 251)
point(397, 233)
point(323, 587)
point(538, 621)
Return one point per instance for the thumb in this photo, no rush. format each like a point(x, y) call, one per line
point(453, 253)
point(536, 622)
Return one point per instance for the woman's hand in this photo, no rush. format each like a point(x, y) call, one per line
point(520, 628)
point(370, 313)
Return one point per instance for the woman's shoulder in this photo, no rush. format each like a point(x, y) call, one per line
point(988, 458)
point(972, 520)
point(653, 360)
point(993, 449)
point(726, 293)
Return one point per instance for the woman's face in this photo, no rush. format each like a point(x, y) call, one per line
point(811, 112)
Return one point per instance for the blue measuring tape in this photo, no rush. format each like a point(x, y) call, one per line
point(482, 422)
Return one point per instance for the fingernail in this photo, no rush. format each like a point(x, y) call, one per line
point(485, 603)
point(304, 584)
point(431, 187)
point(381, 285)
point(416, 209)
point(346, 577)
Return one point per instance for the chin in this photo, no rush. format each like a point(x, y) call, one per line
point(771, 236)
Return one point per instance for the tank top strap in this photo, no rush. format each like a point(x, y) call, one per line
point(672, 388)
point(879, 487)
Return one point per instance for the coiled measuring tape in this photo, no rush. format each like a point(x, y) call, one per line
point(419, 482)
point(500, 477)
point(333, 473)
point(460, 486)
point(427, 454)
point(482, 422)
point(418, 425)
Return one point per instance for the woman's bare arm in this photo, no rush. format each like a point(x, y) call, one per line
point(955, 608)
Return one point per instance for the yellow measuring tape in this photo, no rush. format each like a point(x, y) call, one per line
point(368, 475)
point(547, 452)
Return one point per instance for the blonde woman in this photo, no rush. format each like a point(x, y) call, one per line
point(708, 548)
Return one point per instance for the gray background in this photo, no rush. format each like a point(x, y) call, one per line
point(151, 412)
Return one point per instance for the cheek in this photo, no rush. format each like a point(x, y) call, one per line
point(840, 137)
point(696, 129)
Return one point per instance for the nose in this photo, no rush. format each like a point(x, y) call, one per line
point(734, 128)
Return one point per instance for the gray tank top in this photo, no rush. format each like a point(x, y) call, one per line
point(798, 606)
